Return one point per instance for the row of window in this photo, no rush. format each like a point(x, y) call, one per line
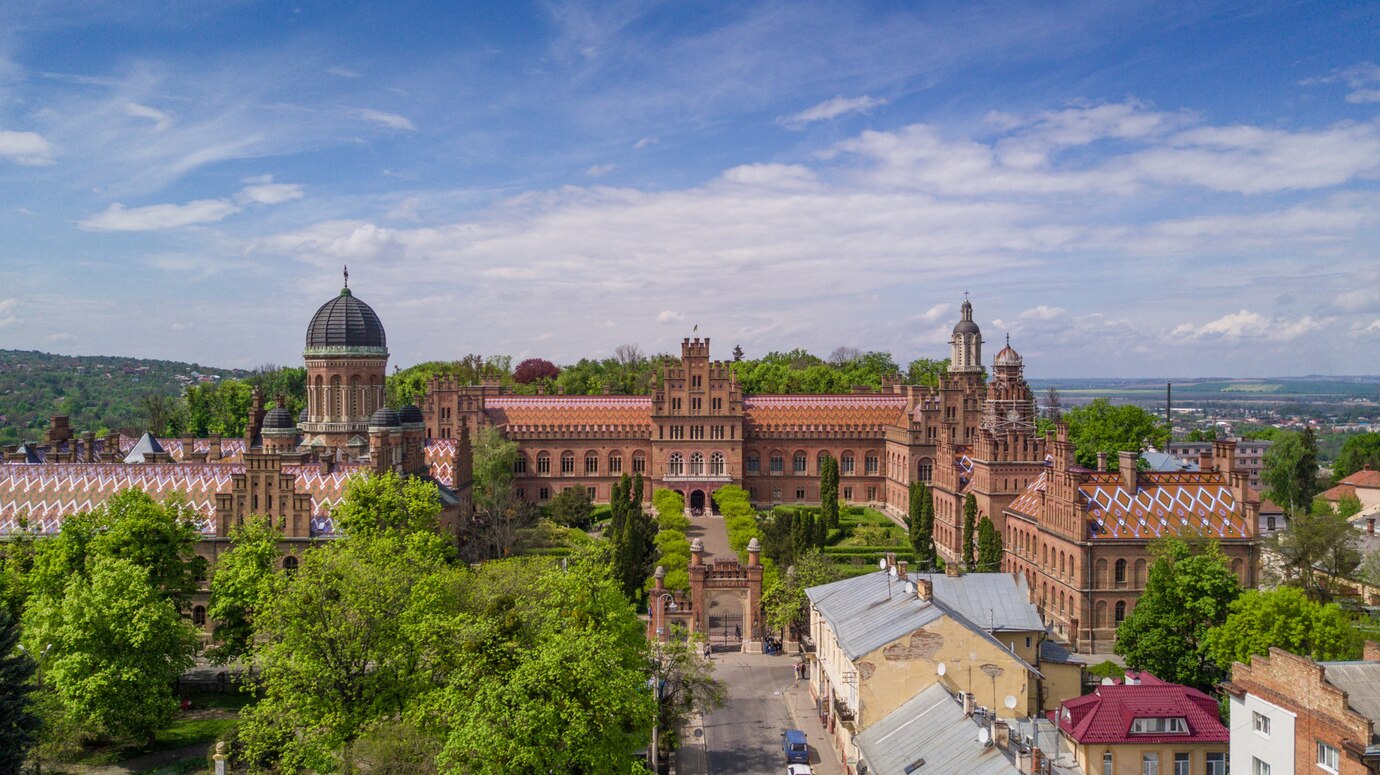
point(1182, 764)
point(696, 404)
point(615, 463)
point(847, 463)
point(800, 494)
point(677, 432)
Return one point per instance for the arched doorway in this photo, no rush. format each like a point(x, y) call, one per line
point(725, 621)
point(697, 502)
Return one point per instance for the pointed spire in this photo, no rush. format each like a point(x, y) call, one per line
point(347, 275)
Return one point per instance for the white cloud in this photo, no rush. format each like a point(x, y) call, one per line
point(28, 148)
point(830, 109)
point(117, 217)
point(160, 119)
point(599, 170)
point(326, 244)
point(7, 310)
point(1249, 325)
point(60, 337)
point(270, 193)
point(1044, 313)
point(1374, 326)
point(772, 175)
point(343, 72)
point(667, 316)
point(390, 120)
point(645, 142)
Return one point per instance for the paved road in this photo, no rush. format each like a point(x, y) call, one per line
point(744, 736)
point(711, 529)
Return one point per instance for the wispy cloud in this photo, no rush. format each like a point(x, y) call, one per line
point(1249, 325)
point(830, 109)
point(117, 217)
point(25, 148)
point(162, 217)
point(599, 170)
point(1363, 79)
point(160, 119)
point(7, 312)
point(390, 120)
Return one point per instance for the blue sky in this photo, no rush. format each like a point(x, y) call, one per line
point(1127, 188)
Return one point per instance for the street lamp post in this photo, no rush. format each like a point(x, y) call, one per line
point(664, 603)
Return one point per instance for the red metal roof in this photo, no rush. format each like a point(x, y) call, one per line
point(1105, 716)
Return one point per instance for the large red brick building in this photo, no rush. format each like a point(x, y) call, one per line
point(1079, 536)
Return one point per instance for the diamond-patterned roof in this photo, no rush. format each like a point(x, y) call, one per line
point(48, 492)
point(1164, 503)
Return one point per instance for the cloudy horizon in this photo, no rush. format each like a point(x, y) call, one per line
point(1127, 189)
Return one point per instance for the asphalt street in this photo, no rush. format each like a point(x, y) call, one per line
point(744, 736)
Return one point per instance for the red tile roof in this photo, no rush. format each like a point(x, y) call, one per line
point(825, 412)
point(1105, 716)
point(1365, 478)
point(1335, 494)
point(593, 413)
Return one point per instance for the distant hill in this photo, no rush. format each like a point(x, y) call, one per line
point(98, 392)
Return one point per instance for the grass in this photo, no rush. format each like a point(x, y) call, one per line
point(183, 732)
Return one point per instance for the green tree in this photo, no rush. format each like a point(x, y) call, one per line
point(785, 602)
point(1317, 547)
point(922, 527)
point(241, 586)
point(685, 685)
point(829, 492)
point(387, 502)
point(553, 675)
point(1102, 426)
point(116, 646)
point(1198, 434)
point(159, 537)
point(927, 371)
point(1348, 505)
point(495, 459)
point(969, 538)
point(989, 547)
point(337, 647)
point(1291, 471)
point(1189, 590)
point(16, 563)
point(572, 507)
point(19, 724)
point(1287, 619)
point(633, 534)
point(1358, 451)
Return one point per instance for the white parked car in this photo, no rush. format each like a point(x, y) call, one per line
point(799, 769)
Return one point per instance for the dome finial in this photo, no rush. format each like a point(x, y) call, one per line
point(1008, 338)
point(347, 275)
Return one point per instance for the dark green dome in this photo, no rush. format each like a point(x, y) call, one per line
point(345, 322)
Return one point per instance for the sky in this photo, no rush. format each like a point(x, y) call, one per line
point(1126, 188)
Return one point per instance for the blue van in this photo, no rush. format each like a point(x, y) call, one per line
point(797, 750)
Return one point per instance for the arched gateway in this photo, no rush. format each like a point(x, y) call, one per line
point(725, 601)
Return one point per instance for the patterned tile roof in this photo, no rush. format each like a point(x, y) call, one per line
point(821, 412)
point(1164, 503)
point(440, 458)
point(1105, 716)
point(231, 449)
point(587, 412)
point(48, 492)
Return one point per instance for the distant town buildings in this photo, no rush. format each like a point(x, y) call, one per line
point(1250, 456)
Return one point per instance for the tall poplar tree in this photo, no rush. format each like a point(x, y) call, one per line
point(922, 527)
point(989, 547)
point(18, 722)
point(829, 492)
point(969, 528)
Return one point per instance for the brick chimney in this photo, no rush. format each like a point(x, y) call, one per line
point(952, 570)
point(901, 569)
point(214, 453)
point(1127, 462)
point(1372, 651)
point(1205, 461)
point(1102, 461)
point(924, 589)
point(1224, 456)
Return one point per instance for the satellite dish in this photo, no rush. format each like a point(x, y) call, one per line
point(984, 735)
point(910, 588)
point(882, 563)
point(1010, 701)
point(893, 572)
point(941, 669)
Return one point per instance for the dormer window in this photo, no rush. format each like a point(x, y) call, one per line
point(1173, 725)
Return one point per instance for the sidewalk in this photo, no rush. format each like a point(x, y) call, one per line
point(823, 758)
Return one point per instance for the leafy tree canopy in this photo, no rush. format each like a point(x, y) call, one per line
point(1287, 619)
point(241, 586)
point(1291, 471)
point(116, 645)
point(1189, 590)
point(19, 723)
point(1102, 426)
point(1358, 451)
